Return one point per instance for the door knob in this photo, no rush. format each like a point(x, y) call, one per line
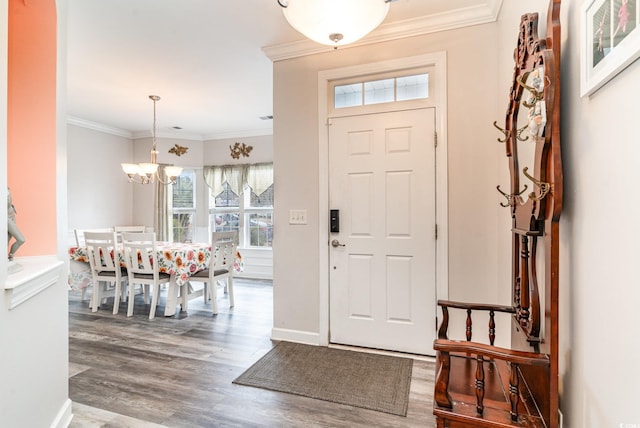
point(335, 243)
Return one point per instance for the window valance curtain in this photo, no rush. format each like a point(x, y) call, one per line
point(217, 176)
point(259, 177)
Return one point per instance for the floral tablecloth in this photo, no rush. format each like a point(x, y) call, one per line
point(175, 258)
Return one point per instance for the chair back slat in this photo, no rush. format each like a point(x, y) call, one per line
point(134, 229)
point(104, 262)
point(141, 257)
point(79, 234)
point(223, 246)
point(140, 251)
point(102, 251)
point(129, 229)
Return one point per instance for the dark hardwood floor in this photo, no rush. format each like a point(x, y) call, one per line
point(177, 371)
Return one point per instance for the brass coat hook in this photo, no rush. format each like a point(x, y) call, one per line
point(535, 94)
point(537, 91)
point(544, 187)
point(511, 199)
point(519, 133)
point(523, 190)
point(502, 204)
point(504, 131)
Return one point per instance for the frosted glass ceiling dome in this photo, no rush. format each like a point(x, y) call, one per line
point(335, 22)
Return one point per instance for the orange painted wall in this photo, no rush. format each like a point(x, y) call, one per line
point(31, 122)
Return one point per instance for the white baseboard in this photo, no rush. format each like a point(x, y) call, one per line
point(63, 419)
point(306, 337)
point(249, 274)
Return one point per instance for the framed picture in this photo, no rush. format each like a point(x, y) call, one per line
point(611, 41)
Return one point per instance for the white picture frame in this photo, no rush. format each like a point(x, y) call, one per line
point(610, 40)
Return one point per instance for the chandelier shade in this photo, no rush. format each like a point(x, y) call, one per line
point(172, 172)
point(147, 172)
point(334, 22)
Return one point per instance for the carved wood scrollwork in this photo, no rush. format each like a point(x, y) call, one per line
point(523, 380)
point(531, 138)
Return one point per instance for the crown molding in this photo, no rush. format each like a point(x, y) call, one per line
point(178, 135)
point(458, 18)
point(83, 123)
point(238, 134)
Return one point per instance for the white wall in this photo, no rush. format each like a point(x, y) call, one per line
point(99, 194)
point(34, 359)
point(34, 335)
point(600, 289)
point(216, 152)
point(478, 226)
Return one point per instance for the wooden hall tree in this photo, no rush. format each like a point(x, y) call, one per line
point(477, 383)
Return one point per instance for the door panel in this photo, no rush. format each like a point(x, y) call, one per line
point(382, 273)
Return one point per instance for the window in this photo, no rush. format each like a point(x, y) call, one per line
point(184, 206)
point(348, 95)
point(246, 211)
point(412, 87)
point(259, 218)
point(224, 211)
point(378, 91)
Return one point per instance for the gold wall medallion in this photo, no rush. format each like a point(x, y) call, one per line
point(240, 149)
point(178, 150)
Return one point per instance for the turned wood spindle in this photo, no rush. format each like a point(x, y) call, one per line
point(492, 327)
point(480, 385)
point(469, 325)
point(514, 393)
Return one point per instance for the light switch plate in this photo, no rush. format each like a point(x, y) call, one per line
point(297, 216)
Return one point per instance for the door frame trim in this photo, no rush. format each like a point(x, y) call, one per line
point(437, 60)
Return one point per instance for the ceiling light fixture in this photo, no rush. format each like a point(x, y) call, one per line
point(148, 171)
point(335, 22)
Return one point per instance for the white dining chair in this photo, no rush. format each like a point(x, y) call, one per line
point(79, 234)
point(223, 253)
point(129, 229)
point(141, 258)
point(104, 262)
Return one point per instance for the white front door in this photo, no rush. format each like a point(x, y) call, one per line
point(383, 259)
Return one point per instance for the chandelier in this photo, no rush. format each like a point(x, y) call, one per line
point(148, 172)
point(335, 22)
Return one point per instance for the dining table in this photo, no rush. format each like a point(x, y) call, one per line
point(180, 260)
